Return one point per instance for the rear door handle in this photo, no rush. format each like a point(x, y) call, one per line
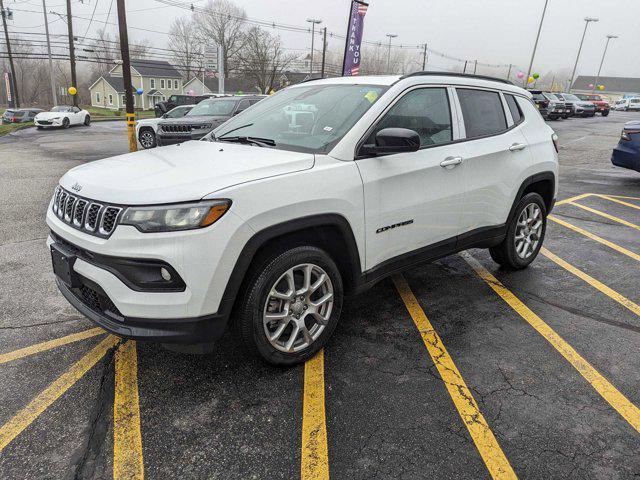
point(451, 162)
point(516, 147)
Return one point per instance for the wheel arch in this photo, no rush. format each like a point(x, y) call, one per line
point(543, 183)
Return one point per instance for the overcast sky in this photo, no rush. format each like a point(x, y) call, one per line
point(493, 31)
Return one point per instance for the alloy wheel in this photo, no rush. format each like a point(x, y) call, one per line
point(528, 230)
point(147, 139)
point(298, 308)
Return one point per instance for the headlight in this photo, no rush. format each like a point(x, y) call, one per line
point(170, 218)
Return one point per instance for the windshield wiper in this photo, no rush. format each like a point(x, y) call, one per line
point(238, 128)
point(261, 142)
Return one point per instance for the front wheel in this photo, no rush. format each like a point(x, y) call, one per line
point(290, 306)
point(87, 120)
point(605, 113)
point(147, 138)
point(65, 123)
point(525, 234)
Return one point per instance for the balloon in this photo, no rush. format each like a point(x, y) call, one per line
point(520, 74)
point(139, 91)
point(591, 85)
point(72, 90)
point(531, 80)
point(601, 87)
point(536, 76)
point(191, 93)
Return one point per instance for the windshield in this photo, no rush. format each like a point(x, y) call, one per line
point(552, 97)
point(635, 100)
point(213, 107)
point(178, 112)
point(62, 108)
point(571, 97)
point(309, 118)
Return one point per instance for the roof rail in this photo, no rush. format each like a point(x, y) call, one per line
point(453, 74)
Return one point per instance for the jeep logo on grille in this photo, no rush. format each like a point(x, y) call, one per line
point(76, 187)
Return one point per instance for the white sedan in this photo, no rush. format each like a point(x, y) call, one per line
point(147, 129)
point(62, 116)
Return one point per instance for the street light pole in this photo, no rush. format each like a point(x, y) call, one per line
point(313, 22)
point(424, 58)
point(606, 46)
point(54, 96)
point(391, 36)
point(587, 21)
point(535, 45)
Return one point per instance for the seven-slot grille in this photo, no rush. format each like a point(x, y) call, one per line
point(91, 217)
point(180, 128)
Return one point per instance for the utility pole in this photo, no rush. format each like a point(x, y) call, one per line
point(464, 70)
point(126, 75)
point(391, 37)
point(324, 51)
point(52, 76)
point(475, 67)
point(587, 20)
point(313, 22)
point(11, 65)
point(535, 45)
point(509, 71)
point(424, 58)
point(606, 46)
point(72, 52)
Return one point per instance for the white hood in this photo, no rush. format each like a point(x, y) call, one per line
point(179, 173)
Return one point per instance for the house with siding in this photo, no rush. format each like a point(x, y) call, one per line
point(158, 80)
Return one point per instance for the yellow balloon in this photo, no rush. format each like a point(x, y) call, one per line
point(531, 79)
point(72, 90)
point(601, 87)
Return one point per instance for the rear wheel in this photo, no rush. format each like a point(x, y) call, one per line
point(525, 234)
point(290, 306)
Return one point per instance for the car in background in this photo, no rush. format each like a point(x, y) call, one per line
point(174, 101)
point(579, 108)
point(203, 118)
point(602, 106)
point(627, 152)
point(147, 129)
point(62, 116)
point(20, 115)
point(550, 106)
point(627, 104)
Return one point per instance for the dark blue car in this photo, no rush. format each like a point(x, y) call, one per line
point(627, 152)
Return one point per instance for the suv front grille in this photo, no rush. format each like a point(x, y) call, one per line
point(181, 128)
point(83, 214)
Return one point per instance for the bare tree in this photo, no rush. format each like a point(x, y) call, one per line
point(186, 49)
point(222, 22)
point(262, 59)
point(105, 50)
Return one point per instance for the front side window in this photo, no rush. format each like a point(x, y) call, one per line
point(243, 105)
point(514, 108)
point(425, 111)
point(306, 118)
point(482, 112)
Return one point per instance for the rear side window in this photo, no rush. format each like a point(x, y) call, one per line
point(425, 111)
point(482, 112)
point(514, 108)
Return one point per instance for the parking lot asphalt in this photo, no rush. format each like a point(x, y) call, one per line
point(455, 369)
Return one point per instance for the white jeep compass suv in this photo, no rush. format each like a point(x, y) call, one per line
point(319, 191)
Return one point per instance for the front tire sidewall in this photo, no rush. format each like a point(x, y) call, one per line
point(512, 257)
point(251, 317)
point(66, 123)
point(152, 143)
point(87, 121)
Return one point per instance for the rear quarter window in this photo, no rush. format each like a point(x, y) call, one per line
point(514, 108)
point(482, 112)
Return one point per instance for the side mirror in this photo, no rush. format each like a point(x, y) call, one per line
point(393, 140)
point(164, 115)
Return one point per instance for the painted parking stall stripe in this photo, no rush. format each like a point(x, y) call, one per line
point(128, 462)
point(25, 417)
point(621, 202)
point(484, 439)
point(606, 215)
point(314, 464)
point(612, 395)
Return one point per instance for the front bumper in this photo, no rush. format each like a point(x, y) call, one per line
point(48, 123)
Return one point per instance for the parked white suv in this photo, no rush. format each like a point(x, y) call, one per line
point(319, 191)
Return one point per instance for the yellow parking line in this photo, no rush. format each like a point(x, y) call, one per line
point(486, 443)
point(127, 438)
point(611, 394)
point(626, 204)
point(606, 215)
point(573, 199)
point(623, 196)
point(48, 345)
point(595, 237)
point(609, 292)
point(55, 390)
point(315, 456)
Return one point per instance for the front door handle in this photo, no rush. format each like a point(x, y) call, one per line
point(451, 162)
point(516, 147)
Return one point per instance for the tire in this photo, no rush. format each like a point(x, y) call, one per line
point(250, 327)
point(605, 113)
point(531, 206)
point(565, 116)
point(87, 120)
point(65, 123)
point(147, 138)
point(39, 127)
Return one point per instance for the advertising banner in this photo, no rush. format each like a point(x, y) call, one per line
point(352, 51)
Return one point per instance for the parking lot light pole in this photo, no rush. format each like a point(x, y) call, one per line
point(535, 45)
point(391, 36)
point(606, 46)
point(313, 22)
point(54, 97)
point(587, 21)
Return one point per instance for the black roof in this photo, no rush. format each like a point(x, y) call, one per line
point(116, 82)
point(155, 68)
